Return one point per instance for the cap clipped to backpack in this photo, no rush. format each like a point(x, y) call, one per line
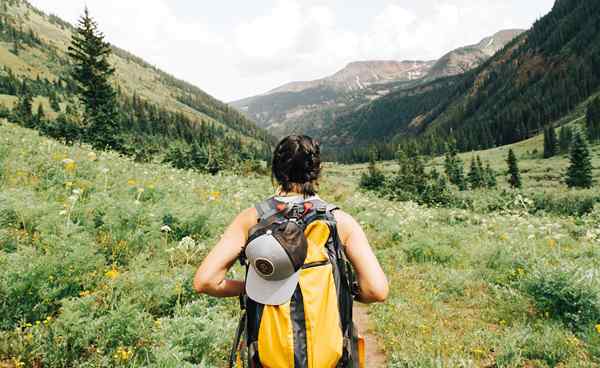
point(275, 259)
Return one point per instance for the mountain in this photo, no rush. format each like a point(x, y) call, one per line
point(158, 109)
point(535, 80)
point(466, 58)
point(360, 74)
point(309, 107)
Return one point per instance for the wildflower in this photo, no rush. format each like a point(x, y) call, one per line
point(69, 184)
point(140, 190)
point(123, 354)
point(598, 328)
point(478, 351)
point(504, 237)
point(104, 170)
point(131, 182)
point(85, 293)
point(17, 362)
point(552, 243)
point(166, 229)
point(187, 243)
point(112, 274)
point(92, 156)
point(69, 165)
point(62, 213)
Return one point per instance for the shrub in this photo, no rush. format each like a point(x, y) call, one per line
point(428, 250)
point(569, 204)
point(565, 295)
point(35, 284)
point(373, 179)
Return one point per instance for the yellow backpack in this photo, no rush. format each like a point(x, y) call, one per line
point(315, 328)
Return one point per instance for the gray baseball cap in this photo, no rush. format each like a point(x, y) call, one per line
point(275, 260)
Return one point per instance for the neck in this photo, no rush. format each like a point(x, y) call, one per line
point(288, 194)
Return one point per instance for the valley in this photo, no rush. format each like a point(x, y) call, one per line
point(99, 246)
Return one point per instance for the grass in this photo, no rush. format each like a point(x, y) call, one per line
point(87, 277)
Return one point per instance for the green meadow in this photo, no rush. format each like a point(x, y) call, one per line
point(97, 254)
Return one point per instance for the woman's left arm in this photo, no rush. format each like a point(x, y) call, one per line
point(210, 277)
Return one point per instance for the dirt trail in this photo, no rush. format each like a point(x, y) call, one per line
point(374, 354)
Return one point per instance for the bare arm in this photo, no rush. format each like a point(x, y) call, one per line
point(372, 281)
point(210, 277)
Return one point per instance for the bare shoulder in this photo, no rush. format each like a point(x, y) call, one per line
point(346, 224)
point(249, 216)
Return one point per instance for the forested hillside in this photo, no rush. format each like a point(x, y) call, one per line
point(159, 116)
point(310, 107)
point(534, 81)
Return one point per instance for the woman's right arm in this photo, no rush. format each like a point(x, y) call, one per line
point(372, 281)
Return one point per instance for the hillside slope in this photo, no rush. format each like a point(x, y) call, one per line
point(32, 48)
point(310, 107)
point(463, 59)
point(535, 80)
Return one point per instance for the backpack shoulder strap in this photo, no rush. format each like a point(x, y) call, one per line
point(266, 208)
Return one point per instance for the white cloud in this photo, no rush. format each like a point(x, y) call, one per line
point(290, 39)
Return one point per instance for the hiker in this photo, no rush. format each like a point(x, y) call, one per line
point(306, 261)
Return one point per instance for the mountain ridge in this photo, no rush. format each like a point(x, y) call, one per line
point(531, 83)
point(309, 107)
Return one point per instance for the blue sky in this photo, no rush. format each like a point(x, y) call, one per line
point(234, 49)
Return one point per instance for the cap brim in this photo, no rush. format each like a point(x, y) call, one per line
point(270, 292)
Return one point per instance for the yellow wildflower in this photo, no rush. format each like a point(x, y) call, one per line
point(552, 243)
point(478, 351)
point(131, 182)
point(17, 362)
point(92, 156)
point(112, 274)
point(123, 354)
point(504, 237)
point(69, 165)
point(85, 293)
point(598, 328)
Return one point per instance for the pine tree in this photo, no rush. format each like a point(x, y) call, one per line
point(373, 179)
point(475, 176)
point(41, 114)
point(23, 113)
point(54, 102)
point(551, 147)
point(593, 120)
point(92, 72)
point(490, 177)
point(565, 138)
point(454, 168)
point(513, 170)
point(579, 173)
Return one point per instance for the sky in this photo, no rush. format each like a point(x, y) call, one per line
point(235, 49)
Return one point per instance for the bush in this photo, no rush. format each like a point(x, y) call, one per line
point(566, 295)
point(373, 179)
point(33, 286)
point(428, 250)
point(569, 204)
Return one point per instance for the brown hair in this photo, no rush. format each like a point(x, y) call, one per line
point(297, 164)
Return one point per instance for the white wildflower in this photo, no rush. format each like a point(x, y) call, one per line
point(166, 229)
